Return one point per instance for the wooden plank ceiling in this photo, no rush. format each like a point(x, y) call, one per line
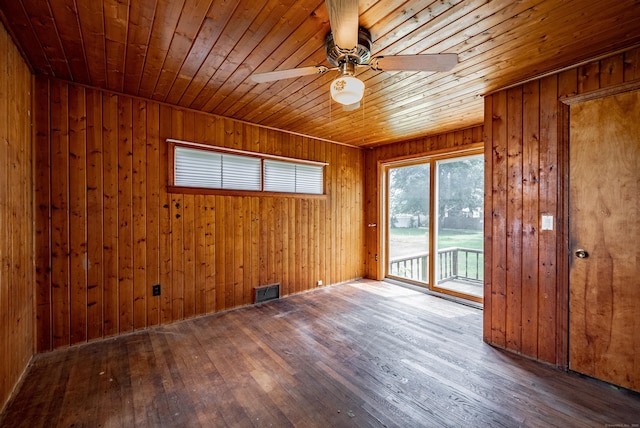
point(200, 53)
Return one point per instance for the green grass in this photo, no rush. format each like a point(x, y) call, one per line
point(446, 238)
point(461, 238)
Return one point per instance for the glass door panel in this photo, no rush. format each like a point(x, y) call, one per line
point(459, 208)
point(408, 222)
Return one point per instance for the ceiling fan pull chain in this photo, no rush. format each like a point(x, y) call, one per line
point(363, 127)
point(330, 117)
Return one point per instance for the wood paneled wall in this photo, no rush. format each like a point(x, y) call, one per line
point(16, 217)
point(452, 140)
point(526, 296)
point(107, 230)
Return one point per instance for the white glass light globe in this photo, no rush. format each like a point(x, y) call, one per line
point(347, 90)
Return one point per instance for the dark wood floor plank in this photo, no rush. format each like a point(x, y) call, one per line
point(172, 399)
point(281, 386)
point(82, 390)
point(363, 354)
point(146, 379)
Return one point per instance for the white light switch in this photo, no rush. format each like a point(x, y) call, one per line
point(547, 222)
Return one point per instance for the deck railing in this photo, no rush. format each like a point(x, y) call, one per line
point(454, 263)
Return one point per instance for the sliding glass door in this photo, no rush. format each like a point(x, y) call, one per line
point(459, 196)
point(434, 223)
point(408, 221)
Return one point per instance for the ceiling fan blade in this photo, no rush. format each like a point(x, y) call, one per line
point(343, 17)
point(270, 76)
point(427, 62)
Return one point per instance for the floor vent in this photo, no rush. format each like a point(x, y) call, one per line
point(266, 292)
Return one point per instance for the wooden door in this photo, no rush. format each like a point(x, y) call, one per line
point(604, 284)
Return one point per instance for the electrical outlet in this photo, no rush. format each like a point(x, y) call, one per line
point(156, 290)
point(319, 282)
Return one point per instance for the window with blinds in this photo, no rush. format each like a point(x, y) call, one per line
point(213, 170)
point(208, 168)
point(292, 177)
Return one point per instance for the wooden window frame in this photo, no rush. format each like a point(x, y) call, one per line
point(173, 188)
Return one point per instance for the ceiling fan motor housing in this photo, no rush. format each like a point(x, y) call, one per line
point(360, 54)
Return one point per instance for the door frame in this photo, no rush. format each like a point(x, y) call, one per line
point(383, 183)
point(564, 251)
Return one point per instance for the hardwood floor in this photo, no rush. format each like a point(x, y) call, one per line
point(359, 354)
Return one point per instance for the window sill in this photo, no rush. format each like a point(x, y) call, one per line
point(254, 193)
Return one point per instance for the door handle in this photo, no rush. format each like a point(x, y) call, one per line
point(582, 254)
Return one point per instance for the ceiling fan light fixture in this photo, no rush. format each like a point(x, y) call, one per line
point(347, 90)
point(348, 47)
point(351, 107)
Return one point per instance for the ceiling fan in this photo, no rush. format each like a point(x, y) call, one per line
point(348, 47)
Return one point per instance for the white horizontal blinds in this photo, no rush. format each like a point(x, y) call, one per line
point(309, 179)
point(279, 176)
point(198, 168)
point(240, 172)
point(292, 177)
point(212, 169)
